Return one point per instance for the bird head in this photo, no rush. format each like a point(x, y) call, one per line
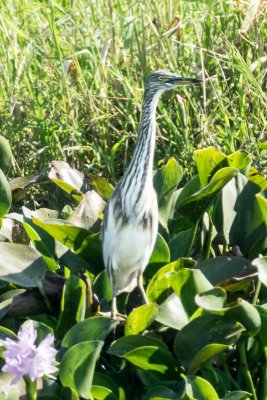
point(165, 80)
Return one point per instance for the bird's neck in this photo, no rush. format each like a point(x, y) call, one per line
point(138, 180)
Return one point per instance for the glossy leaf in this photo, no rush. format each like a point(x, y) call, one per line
point(208, 161)
point(160, 285)
point(237, 395)
point(161, 252)
point(6, 300)
point(77, 366)
point(103, 380)
point(102, 393)
point(153, 358)
point(247, 315)
point(21, 265)
point(140, 318)
point(240, 160)
point(102, 186)
point(198, 388)
point(126, 344)
point(5, 195)
point(212, 300)
point(171, 313)
point(194, 206)
point(93, 328)
point(192, 348)
point(262, 310)
point(73, 305)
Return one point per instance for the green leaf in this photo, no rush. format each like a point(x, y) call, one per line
point(161, 252)
point(80, 240)
point(237, 395)
point(247, 315)
point(73, 305)
point(93, 328)
point(21, 265)
point(192, 348)
point(126, 344)
point(102, 393)
point(161, 392)
point(140, 318)
point(262, 310)
point(194, 206)
point(6, 300)
point(153, 358)
point(198, 388)
point(180, 244)
point(102, 186)
point(103, 380)
point(171, 313)
point(224, 268)
point(240, 160)
point(67, 178)
point(165, 183)
point(187, 284)
point(5, 195)
point(208, 161)
point(160, 285)
point(5, 155)
point(239, 218)
point(212, 300)
point(68, 394)
point(39, 242)
point(77, 366)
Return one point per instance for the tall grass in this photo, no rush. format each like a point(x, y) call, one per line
point(89, 115)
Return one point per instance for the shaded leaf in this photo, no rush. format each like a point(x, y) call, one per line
point(93, 328)
point(5, 195)
point(171, 313)
point(127, 343)
point(140, 318)
point(192, 348)
point(198, 388)
point(21, 265)
point(5, 155)
point(77, 366)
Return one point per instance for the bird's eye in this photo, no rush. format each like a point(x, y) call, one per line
point(161, 78)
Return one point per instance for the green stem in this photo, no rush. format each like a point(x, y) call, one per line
point(264, 377)
point(208, 241)
point(246, 371)
point(257, 292)
point(31, 388)
point(193, 238)
point(228, 373)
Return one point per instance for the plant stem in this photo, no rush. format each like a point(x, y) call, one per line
point(208, 241)
point(257, 292)
point(246, 371)
point(31, 388)
point(193, 238)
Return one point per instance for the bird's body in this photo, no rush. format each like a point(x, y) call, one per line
point(131, 217)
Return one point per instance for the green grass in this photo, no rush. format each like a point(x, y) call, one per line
point(91, 118)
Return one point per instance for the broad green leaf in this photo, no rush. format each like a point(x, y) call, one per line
point(224, 268)
point(101, 287)
point(80, 240)
point(171, 313)
point(103, 380)
point(192, 348)
point(6, 333)
point(67, 178)
point(73, 305)
point(39, 242)
point(102, 393)
point(238, 216)
point(140, 318)
point(126, 344)
point(86, 214)
point(198, 388)
point(262, 310)
point(77, 366)
point(208, 161)
point(212, 300)
point(194, 206)
point(20, 185)
point(247, 315)
point(240, 160)
point(153, 358)
point(255, 177)
point(165, 183)
point(186, 284)
point(160, 286)
point(21, 265)
point(102, 186)
point(5, 195)
point(5, 155)
point(93, 328)
point(180, 244)
point(161, 392)
point(6, 300)
point(68, 394)
point(237, 395)
point(161, 253)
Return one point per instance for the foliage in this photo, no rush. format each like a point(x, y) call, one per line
point(203, 333)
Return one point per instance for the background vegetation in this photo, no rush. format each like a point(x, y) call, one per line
point(72, 77)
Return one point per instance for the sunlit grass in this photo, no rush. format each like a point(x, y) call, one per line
point(90, 115)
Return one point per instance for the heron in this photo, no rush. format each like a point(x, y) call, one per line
point(130, 222)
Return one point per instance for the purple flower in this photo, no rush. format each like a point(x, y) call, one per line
point(23, 357)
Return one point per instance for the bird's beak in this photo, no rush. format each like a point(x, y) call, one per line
point(179, 81)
